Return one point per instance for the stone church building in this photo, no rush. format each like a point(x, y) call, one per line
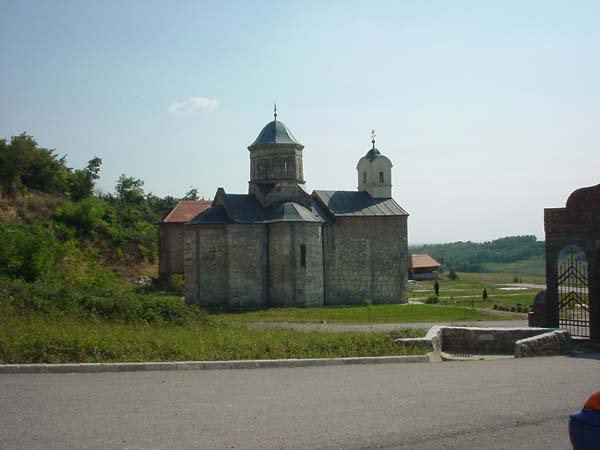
point(279, 245)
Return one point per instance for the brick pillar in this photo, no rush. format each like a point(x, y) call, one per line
point(594, 293)
point(551, 313)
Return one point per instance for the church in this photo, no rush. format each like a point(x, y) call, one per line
point(279, 245)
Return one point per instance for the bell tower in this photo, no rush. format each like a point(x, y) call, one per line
point(375, 173)
point(276, 172)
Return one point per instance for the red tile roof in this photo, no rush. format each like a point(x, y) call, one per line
point(423, 261)
point(186, 210)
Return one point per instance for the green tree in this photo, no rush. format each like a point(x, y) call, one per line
point(129, 189)
point(82, 182)
point(484, 294)
point(192, 194)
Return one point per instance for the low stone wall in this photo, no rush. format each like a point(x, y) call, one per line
point(485, 340)
point(521, 342)
point(556, 342)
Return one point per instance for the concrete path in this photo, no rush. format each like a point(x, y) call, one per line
point(504, 404)
point(333, 327)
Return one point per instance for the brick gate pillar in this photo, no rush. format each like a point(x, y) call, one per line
point(551, 285)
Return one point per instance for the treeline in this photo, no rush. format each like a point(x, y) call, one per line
point(57, 210)
point(67, 249)
point(472, 257)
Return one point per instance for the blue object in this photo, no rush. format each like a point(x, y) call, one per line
point(584, 430)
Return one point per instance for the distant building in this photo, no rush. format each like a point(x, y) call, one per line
point(170, 236)
point(279, 245)
point(423, 267)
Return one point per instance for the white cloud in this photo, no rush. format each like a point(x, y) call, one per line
point(193, 104)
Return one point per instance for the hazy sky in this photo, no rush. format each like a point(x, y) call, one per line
point(489, 111)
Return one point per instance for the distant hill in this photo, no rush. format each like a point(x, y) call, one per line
point(487, 256)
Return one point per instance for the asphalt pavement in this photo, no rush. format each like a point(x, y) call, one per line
point(503, 404)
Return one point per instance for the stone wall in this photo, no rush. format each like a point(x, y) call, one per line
point(292, 283)
point(366, 258)
point(485, 340)
point(170, 250)
point(556, 342)
point(226, 265)
point(247, 255)
point(520, 342)
point(206, 265)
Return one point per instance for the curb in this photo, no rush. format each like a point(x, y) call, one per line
point(9, 369)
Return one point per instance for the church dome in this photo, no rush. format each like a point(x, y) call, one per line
point(275, 132)
point(372, 154)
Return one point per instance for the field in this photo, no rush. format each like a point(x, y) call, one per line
point(532, 269)
point(468, 291)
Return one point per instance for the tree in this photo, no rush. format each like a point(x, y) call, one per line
point(484, 294)
point(83, 181)
point(192, 194)
point(436, 288)
point(23, 164)
point(129, 189)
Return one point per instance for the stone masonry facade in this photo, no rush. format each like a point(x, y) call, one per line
point(278, 245)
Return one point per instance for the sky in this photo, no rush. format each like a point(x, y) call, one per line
point(489, 111)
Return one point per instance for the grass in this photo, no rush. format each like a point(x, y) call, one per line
point(533, 267)
point(360, 314)
point(468, 289)
point(36, 338)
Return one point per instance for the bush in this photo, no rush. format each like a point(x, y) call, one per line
point(27, 252)
point(176, 284)
point(484, 294)
point(452, 275)
point(495, 306)
point(432, 299)
point(525, 309)
point(513, 309)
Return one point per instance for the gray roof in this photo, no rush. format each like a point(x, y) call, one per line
point(354, 203)
point(245, 208)
point(275, 132)
point(212, 215)
point(372, 154)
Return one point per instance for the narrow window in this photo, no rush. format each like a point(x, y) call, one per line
point(381, 177)
point(364, 177)
point(303, 255)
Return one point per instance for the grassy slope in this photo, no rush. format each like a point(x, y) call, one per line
point(36, 339)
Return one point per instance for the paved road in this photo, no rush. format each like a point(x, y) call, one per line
point(505, 404)
point(367, 327)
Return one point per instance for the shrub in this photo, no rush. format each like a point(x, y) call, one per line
point(495, 306)
point(432, 299)
point(176, 284)
point(452, 275)
point(525, 309)
point(513, 309)
point(484, 294)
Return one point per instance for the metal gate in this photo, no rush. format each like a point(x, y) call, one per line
point(573, 295)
